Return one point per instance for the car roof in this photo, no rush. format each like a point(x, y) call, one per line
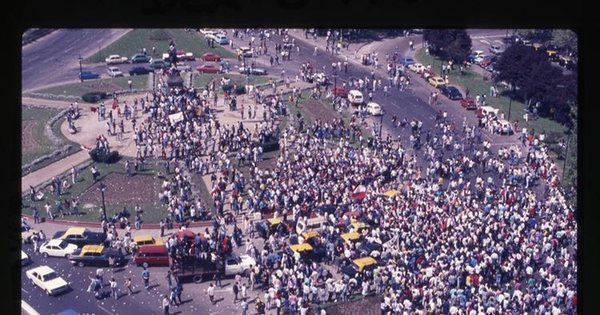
point(92, 249)
point(301, 247)
point(350, 236)
point(54, 242)
point(310, 234)
point(42, 270)
point(372, 103)
point(364, 261)
point(142, 238)
point(274, 220)
point(488, 108)
point(152, 249)
point(75, 230)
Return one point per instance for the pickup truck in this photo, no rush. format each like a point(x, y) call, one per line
point(115, 60)
point(81, 236)
point(198, 270)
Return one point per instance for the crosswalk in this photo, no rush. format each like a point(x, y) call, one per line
point(489, 42)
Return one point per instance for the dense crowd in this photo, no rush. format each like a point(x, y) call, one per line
point(470, 231)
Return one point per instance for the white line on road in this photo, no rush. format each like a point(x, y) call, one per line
point(488, 36)
point(484, 41)
point(499, 41)
point(104, 309)
point(28, 308)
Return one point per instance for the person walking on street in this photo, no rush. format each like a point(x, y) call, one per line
point(128, 286)
point(236, 290)
point(113, 288)
point(211, 293)
point(36, 215)
point(146, 278)
point(100, 275)
point(165, 304)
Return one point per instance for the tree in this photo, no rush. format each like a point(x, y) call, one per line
point(536, 35)
point(516, 64)
point(565, 39)
point(448, 44)
point(541, 85)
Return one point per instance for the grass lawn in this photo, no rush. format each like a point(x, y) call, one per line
point(104, 85)
point(478, 85)
point(35, 120)
point(133, 41)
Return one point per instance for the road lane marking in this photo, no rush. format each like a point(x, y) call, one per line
point(30, 310)
point(484, 41)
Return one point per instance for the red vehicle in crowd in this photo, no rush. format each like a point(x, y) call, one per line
point(468, 103)
point(206, 68)
point(340, 91)
point(210, 57)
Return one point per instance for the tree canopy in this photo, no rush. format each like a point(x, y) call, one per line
point(448, 44)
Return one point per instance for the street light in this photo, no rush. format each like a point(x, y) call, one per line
point(512, 91)
point(80, 68)
point(102, 188)
point(566, 155)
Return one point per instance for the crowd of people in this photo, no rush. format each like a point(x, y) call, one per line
point(470, 231)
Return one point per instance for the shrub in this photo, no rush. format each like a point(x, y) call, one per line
point(103, 157)
point(93, 97)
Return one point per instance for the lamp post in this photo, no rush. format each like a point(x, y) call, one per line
point(512, 90)
point(102, 188)
point(334, 76)
point(566, 155)
point(80, 68)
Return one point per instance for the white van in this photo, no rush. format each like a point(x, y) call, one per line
point(355, 97)
point(305, 224)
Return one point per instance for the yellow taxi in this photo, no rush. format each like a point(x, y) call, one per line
point(436, 81)
point(359, 227)
point(351, 237)
point(359, 265)
point(147, 239)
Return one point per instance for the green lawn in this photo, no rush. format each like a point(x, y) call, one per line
point(132, 42)
point(39, 117)
point(478, 85)
point(105, 85)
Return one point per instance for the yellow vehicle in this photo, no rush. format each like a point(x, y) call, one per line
point(359, 227)
point(307, 252)
point(147, 239)
point(351, 238)
point(360, 265)
point(552, 54)
point(436, 81)
point(268, 227)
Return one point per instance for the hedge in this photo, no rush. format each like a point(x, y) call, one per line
point(102, 157)
point(93, 97)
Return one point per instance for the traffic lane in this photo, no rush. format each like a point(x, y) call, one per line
point(82, 301)
point(52, 57)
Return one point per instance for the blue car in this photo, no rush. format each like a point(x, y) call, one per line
point(407, 61)
point(88, 74)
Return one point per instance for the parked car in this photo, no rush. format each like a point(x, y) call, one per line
point(474, 54)
point(207, 31)
point(451, 92)
point(25, 259)
point(436, 81)
point(496, 49)
point(207, 68)
point(416, 67)
point(468, 103)
point(140, 70)
point(567, 62)
point(210, 57)
point(140, 58)
point(57, 248)
point(245, 51)
point(115, 60)
point(487, 59)
point(487, 111)
point(47, 279)
point(221, 39)
point(267, 227)
point(88, 74)
point(158, 64)
point(253, 71)
point(339, 91)
point(374, 109)
point(182, 66)
point(96, 255)
point(307, 252)
point(359, 266)
point(114, 72)
point(238, 264)
point(152, 255)
point(147, 239)
point(185, 56)
point(491, 67)
point(80, 236)
point(407, 61)
point(477, 60)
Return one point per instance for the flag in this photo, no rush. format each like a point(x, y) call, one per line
point(359, 193)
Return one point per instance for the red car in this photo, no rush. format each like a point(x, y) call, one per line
point(340, 91)
point(468, 103)
point(210, 57)
point(208, 69)
point(185, 56)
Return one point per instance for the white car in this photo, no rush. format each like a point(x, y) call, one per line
point(374, 109)
point(115, 60)
point(238, 264)
point(57, 248)
point(25, 260)
point(47, 279)
point(416, 67)
point(182, 66)
point(114, 72)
